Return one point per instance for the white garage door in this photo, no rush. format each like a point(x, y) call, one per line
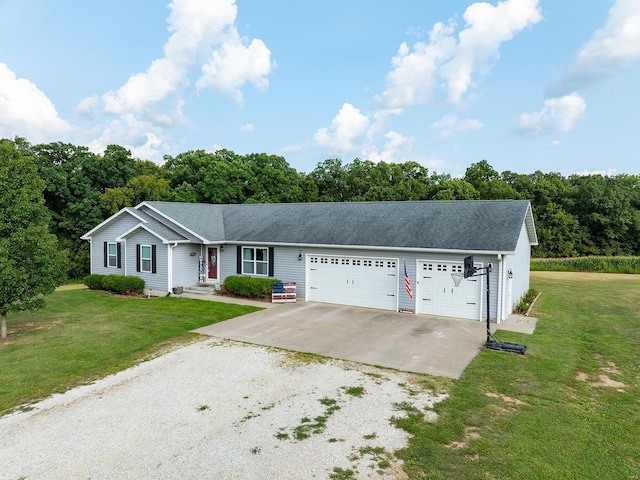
point(357, 281)
point(438, 295)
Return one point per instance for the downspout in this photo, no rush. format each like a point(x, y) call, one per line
point(500, 309)
point(91, 255)
point(125, 257)
point(170, 264)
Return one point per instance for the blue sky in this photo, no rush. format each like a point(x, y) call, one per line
point(525, 84)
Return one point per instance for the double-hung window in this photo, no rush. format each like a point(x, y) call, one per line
point(145, 258)
point(112, 255)
point(255, 261)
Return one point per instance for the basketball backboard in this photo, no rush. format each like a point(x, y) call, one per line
point(469, 269)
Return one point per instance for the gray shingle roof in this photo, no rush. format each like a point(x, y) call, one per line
point(484, 225)
point(202, 219)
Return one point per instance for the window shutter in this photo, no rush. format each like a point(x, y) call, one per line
point(119, 246)
point(106, 254)
point(153, 259)
point(239, 261)
point(271, 249)
point(137, 257)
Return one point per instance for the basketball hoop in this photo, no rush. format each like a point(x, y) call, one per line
point(457, 278)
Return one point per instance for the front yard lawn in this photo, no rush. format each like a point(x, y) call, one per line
point(83, 335)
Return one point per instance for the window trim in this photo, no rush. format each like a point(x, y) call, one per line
point(270, 261)
point(255, 262)
point(113, 256)
point(143, 259)
point(117, 255)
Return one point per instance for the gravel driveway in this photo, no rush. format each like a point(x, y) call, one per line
point(217, 410)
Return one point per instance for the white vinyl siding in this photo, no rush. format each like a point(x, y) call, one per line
point(158, 280)
point(185, 265)
point(109, 234)
point(519, 265)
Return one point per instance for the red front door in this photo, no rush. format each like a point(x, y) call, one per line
point(212, 260)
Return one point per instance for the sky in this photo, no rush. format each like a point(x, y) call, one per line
point(526, 85)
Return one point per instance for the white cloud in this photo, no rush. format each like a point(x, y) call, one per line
point(203, 39)
point(394, 147)
point(88, 105)
point(247, 128)
point(488, 27)
point(450, 125)
point(195, 25)
point(293, 148)
point(142, 138)
point(448, 62)
point(26, 111)
point(234, 64)
point(605, 173)
point(348, 127)
point(555, 143)
point(203, 36)
point(557, 115)
point(414, 77)
point(613, 47)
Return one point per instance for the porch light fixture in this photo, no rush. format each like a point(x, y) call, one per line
point(300, 256)
point(222, 248)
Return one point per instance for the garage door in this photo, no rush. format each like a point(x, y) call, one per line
point(438, 295)
point(357, 281)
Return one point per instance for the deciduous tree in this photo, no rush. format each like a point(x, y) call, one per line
point(31, 262)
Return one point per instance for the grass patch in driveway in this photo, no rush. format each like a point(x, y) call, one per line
point(83, 335)
point(567, 409)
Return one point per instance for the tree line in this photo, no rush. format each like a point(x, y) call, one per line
point(575, 216)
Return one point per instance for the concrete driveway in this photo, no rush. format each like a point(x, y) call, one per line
point(439, 346)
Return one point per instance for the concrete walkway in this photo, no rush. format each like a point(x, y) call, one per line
point(414, 343)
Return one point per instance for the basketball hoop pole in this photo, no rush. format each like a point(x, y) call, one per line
point(492, 342)
point(487, 271)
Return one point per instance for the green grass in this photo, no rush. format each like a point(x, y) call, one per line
point(543, 415)
point(83, 335)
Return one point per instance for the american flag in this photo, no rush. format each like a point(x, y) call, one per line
point(407, 281)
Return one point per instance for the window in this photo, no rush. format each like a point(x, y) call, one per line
point(112, 255)
point(255, 261)
point(145, 258)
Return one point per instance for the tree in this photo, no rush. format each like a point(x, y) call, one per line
point(488, 183)
point(275, 180)
point(31, 263)
point(329, 176)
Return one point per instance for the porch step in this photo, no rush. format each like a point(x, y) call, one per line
point(200, 289)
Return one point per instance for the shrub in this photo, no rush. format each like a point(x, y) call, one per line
point(94, 281)
point(123, 284)
point(249, 286)
point(588, 264)
point(526, 301)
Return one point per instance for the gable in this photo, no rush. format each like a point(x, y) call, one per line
point(129, 214)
